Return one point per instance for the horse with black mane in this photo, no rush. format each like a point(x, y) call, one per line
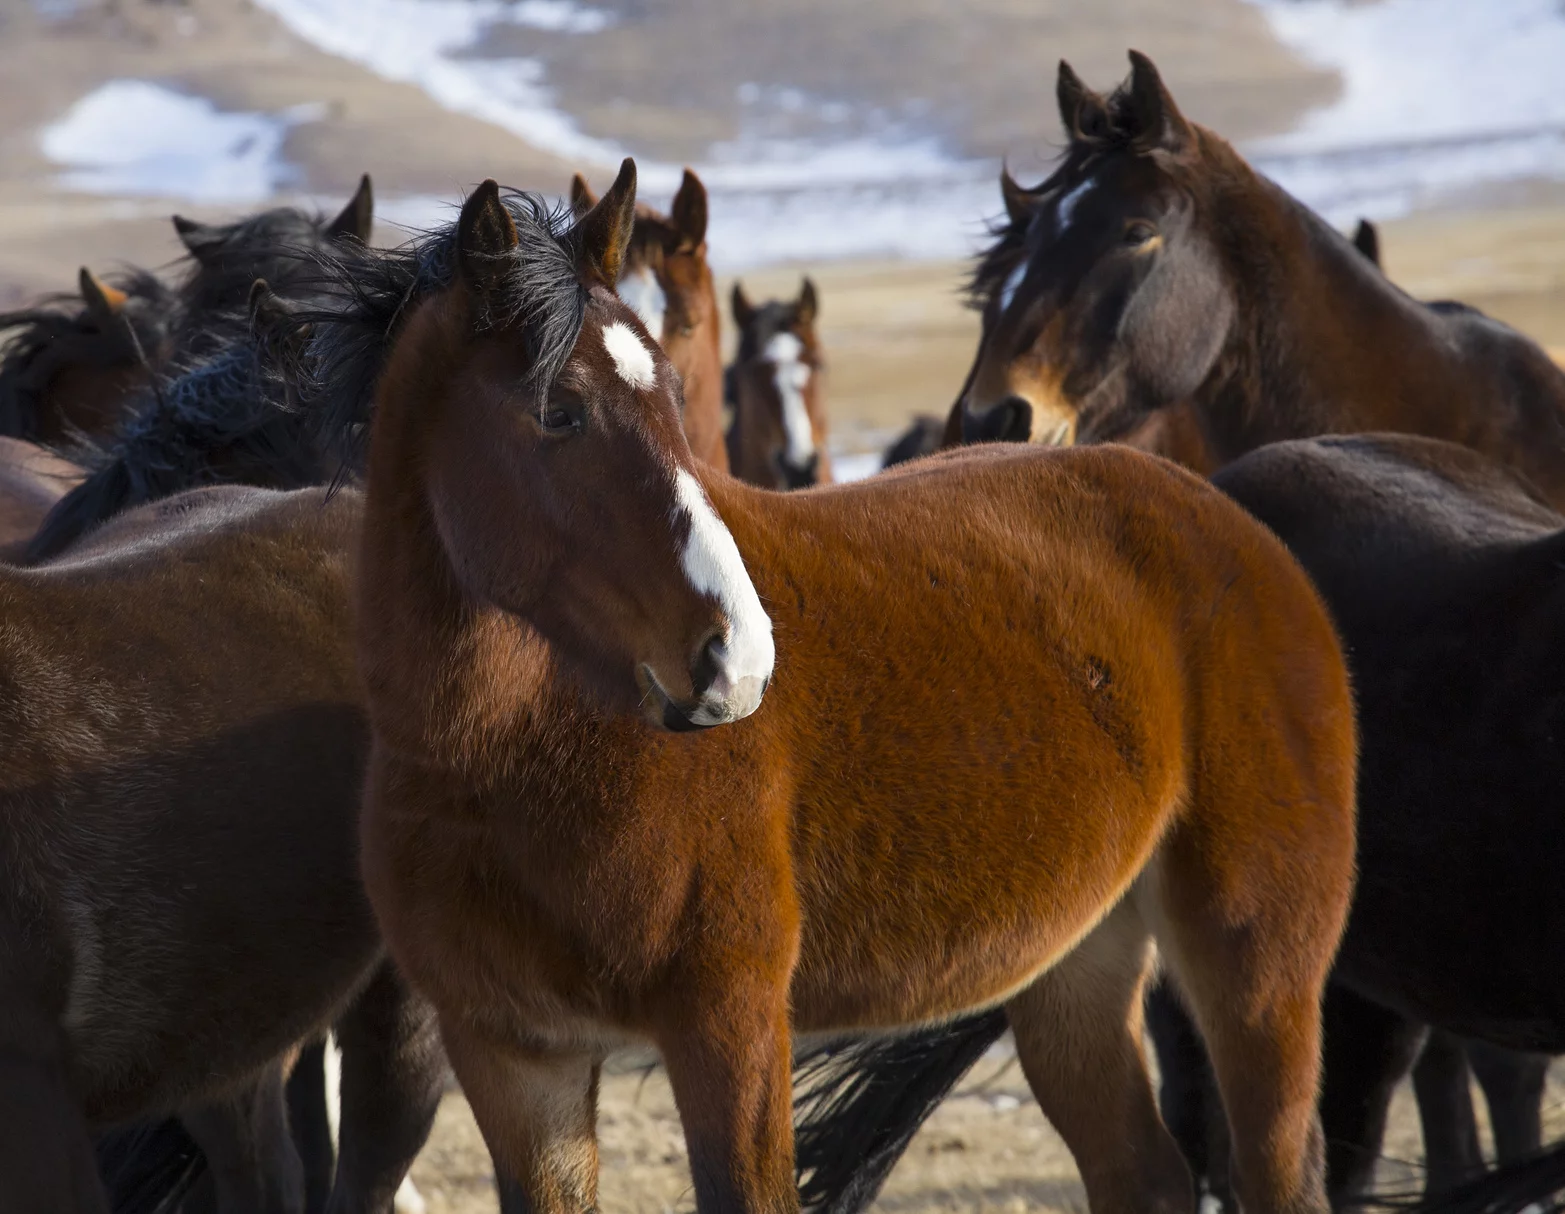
point(1155, 270)
point(584, 828)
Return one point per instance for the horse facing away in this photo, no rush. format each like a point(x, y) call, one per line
point(1154, 269)
point(1001, 747)
point(183, 747)
point(668, 284)
point(778, 437)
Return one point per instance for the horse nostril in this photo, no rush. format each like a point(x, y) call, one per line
point(704, 670)
point(1008, 422)
point(801, 476)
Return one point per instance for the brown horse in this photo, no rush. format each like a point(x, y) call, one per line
point(778, 438)
point(1154, 268)
point(1028, 710)
point(72, 361)
point(183, 745)
point(668, 284)
point(32, 480)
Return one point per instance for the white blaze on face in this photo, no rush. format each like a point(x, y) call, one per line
point(631, 357)
point(1067, 208)
point(713, 567)
point(642, 291)
point(1013, 280)
point(791, 375)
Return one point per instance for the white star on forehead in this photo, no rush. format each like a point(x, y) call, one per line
point(631, 357)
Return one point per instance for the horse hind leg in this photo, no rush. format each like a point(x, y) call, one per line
point(1247, 920)
point(1078, 1034)
point(250, 1155)
point(393, 1072)
point(1513, 1084)
point(1443, 1084)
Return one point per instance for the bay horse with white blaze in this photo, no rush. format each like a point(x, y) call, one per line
point(1155, 270)
point(778, 436)
point(668, 284)
point(1023, 712)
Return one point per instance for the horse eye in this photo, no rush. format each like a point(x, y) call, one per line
point(1138, 232)
point(686, 330)
point(560, 419)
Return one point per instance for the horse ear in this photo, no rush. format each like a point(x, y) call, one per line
point(198, 238)
point(1083, 113)
point(485, 239)
point(603, 233)
point(1156, 120)
point(276, 330)
point(689, 213)
point(739, 303)
point(358, 217)
point(582, 197)
point(1018, 202)
point(1366, 239)
point(807, 307)
point(104, 303)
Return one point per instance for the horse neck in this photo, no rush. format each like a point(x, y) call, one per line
point(1323, 342)
point(701, 370)
point(445, 674)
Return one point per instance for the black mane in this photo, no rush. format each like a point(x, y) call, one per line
point(61, 331)
point(369, 292)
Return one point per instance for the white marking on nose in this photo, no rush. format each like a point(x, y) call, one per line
point(1013, 280)
point(1067, 208)
point(791, 375)
point(642, 291)
point(631, 357)
point(745, 654)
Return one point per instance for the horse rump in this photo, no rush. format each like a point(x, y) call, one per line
point(859, 1103)
point(149, 1167)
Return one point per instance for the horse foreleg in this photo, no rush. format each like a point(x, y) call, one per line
point(537, 1111)
point(1079, 1040)
point(46, 1153)
point(729, 1065)
point(393, 1071)
point(1513, 1083)
point(249, 1152)
point(1443, 1085)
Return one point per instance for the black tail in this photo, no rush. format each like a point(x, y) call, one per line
point(148, 1168)
point(861, 1102)
point(1537, 1180)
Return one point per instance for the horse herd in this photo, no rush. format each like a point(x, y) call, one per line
point(386, 649)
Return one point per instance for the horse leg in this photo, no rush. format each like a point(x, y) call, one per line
point(1368, 1049)
point(1513, 1082)
point(249, 1151)
point(1251, 952)
point(537, 1110)
point(311, 1126)
point(1443, 1085)
point(1078, 1037)
point(393, 1072)
point(46, 1153)
point(1188, 1097)
point(730, 1066)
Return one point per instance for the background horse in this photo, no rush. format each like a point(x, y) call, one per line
point(668, 284)
point(32, 481)
point(196, 802)
point(551, 600)
point(1154, 269)
point(778, 436)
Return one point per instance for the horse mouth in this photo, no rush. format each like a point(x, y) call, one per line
point(660, 709)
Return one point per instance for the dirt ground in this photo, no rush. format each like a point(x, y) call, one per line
point(987, 1149)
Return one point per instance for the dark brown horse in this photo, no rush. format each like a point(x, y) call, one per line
point(70, 362)
point(1154, 269)
point(183, 747)
point(668, 284)
point(778, 436)
point(1027, 711)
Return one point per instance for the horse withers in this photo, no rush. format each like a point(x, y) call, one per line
point(660, 757)
point(778, 436)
